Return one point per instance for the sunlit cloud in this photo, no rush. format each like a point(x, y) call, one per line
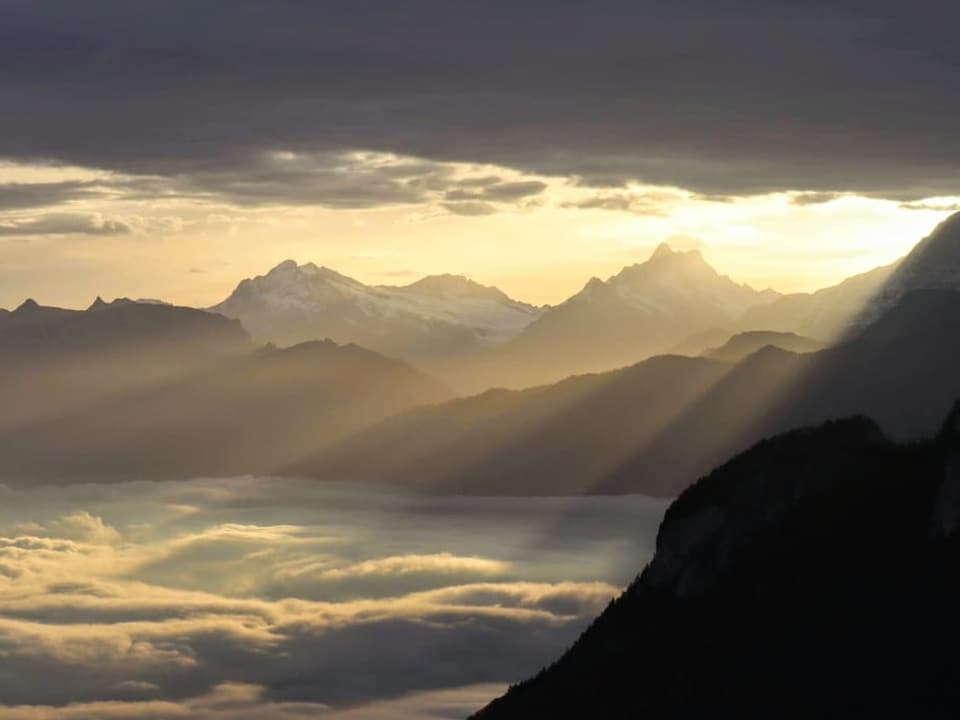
point(220, 598)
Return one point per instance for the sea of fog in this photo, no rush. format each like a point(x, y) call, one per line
point(248, 598)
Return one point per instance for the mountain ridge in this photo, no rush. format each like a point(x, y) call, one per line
point(433, 321)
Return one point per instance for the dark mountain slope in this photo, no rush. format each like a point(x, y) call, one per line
point(812, 576)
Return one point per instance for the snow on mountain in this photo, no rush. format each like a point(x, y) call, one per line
point(440, 316)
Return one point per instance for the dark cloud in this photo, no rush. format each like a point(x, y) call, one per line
point(20, 196)
point(63, 224)
point(936, 207)
point(724, 97)
point(651, 203)
point(814, 198)
point(471, 209)
point(497, 192)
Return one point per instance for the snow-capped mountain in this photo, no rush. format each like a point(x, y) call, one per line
point(438, 318)
point(645, 309)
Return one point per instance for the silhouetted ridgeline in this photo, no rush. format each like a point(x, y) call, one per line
point(814, 576)
point(131, 390)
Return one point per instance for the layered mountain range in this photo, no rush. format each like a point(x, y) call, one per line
point(182, 386)
point(131, 390)
point(477, 337)
point(654, 427)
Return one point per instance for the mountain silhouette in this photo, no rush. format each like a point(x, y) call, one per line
point(30, 313)
point(812, 576)
point(130, 390)
point(52, 359)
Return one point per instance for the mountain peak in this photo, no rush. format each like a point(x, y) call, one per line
point(98, 304)
point(663, 251)
point(27, 305)
point(285, 266)
point(290, 272)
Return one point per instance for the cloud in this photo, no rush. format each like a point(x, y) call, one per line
point(639, 203)
point(949, 206)
point(63, 224)
point(400, 565)
point(250, 597)
point(820, 97)
point(84, 527)
point(814, 198)
point(497, 191)
point(263, 179)
point(470, 209)
point(19, 196)
point(235, 701)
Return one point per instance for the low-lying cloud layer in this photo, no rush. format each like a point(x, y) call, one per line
point(254, 598)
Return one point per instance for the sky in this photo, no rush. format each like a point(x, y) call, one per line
point(170, 149)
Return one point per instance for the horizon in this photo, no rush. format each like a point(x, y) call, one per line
point(409, 277)
point(193, 159)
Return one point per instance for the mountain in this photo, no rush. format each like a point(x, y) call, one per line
point(551, 440)
point(845, 309)
point(645, 309)
point(656, 426)
point(253, 413)
point(901, 372)
point(143, 390)
point(812, 576)
point(30, 313)
point(52, 360)
point(741, 345)
point(933, 264)
point(826, 314)
point(435, 321)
